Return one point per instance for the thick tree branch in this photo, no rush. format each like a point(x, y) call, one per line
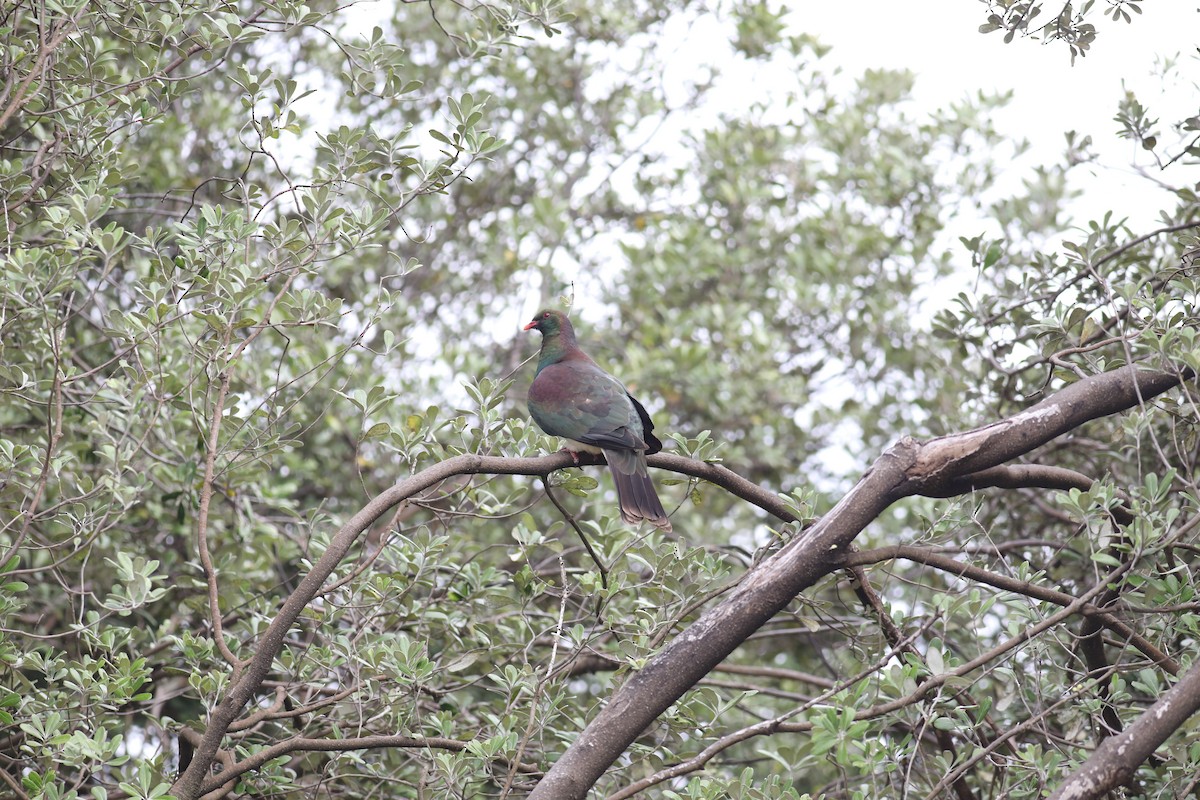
point(908, 468)
point(1118, 757)
point(1025, 476)
point(941, 461)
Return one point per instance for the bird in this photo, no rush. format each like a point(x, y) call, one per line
point(572, 398)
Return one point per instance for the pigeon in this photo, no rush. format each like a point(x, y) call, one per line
point(573, 398)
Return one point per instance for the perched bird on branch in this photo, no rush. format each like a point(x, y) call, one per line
point(572, 398)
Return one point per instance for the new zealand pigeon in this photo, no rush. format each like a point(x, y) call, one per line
point(572, 398)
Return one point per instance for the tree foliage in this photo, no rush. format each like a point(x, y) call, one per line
point(273, 520)
point(1068, 23)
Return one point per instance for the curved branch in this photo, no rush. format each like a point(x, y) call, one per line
point(1025, 476)
point(304, 744)
point(191, 783)
point(727, 479)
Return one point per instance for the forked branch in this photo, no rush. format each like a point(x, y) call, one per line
point(908, 468)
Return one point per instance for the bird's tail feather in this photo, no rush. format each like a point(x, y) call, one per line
point(635, 490)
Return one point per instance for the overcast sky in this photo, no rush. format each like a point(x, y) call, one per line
point(938, 40)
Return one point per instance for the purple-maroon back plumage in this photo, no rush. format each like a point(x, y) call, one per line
point(573, 398)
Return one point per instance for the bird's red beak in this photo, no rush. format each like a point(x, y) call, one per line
point(530, 326)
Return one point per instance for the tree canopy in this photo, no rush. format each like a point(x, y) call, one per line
point(274, 521)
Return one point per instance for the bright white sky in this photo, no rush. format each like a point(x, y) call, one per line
point(938, 40)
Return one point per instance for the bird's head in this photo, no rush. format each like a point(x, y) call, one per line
point(549, 322)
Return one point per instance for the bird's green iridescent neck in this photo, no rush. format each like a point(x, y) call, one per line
point(554, 349)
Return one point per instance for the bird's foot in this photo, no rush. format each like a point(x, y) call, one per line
point(574, 454)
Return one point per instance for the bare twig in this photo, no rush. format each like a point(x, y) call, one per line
point(54, 433)
point(943, 562)
point(587, 543)
point(541, 687)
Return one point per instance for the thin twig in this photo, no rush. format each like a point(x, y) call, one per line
point(946, 563)
point(582, 536)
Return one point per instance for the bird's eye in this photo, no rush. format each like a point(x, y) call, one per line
point(546, 315)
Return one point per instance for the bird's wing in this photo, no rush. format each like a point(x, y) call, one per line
point(578, 400)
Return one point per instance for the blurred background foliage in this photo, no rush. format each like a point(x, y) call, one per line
point(263, 260)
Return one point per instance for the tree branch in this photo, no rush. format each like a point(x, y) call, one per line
point(1025, 476)
point(1117, 758)
point(908, 468)
point(303, 744)
point(946, 563)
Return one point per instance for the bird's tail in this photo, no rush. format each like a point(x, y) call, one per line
point(635, 490)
